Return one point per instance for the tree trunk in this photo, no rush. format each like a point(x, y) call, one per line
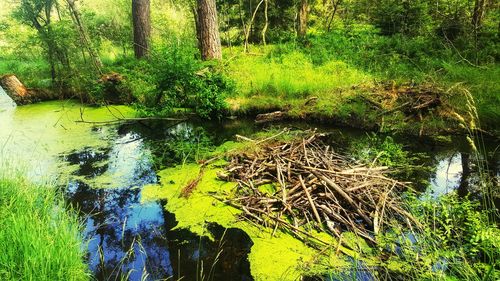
point(463, 189)
point(335, 5)
point(13, 87)
point(208, 30)
point(250, 24)
point(303, 16)
point(477, 14)
point(266, 23)
point(21, 95)
point(142, 27)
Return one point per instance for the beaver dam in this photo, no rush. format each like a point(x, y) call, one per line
point(304, 183)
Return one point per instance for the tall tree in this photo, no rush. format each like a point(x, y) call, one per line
point(141, 17)
point(84, 37)
point(38, 14)
point(477, 14)
point(207, 28)
point(303, 16)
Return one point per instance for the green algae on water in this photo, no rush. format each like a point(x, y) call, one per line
point(278, 257)
point(38, 132)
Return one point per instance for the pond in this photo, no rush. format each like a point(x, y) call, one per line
point(102, 169)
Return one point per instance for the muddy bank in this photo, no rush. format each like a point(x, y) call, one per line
point(413, 109)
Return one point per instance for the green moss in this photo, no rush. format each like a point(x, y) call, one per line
point(193, 213)
point(228, 146)
point(267, 189)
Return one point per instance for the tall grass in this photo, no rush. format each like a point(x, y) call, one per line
point(290, 75)
point(284, 76)
point(39, 238)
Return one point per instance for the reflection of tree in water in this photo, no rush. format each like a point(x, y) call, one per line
point(172, 144)
point(128, 234)
point(224, 258)
point(127, 237)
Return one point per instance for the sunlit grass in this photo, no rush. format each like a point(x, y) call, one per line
point(269, 80)
point(39, 239)
point(292, 75)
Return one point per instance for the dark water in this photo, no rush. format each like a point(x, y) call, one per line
point(137, 241)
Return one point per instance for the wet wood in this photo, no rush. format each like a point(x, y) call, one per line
point(270, 117)
point(315, 187)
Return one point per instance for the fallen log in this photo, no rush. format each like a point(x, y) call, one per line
point(20, 94)
point(270, 117)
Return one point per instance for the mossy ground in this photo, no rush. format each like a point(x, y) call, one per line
point(334, 90)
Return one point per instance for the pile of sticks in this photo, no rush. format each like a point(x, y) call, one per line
point(413, 100)
point(304, 183)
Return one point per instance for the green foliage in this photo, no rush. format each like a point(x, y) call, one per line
point(288, 73)
point(404, 17)
point(184, 82)
point(379, 150)
point(184, 146)
point(173, 78)
point(457, 240)
point(40, 240)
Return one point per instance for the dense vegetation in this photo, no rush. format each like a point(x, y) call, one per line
point(268, 63)
point(419, 67)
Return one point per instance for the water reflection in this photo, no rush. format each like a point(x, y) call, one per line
point(135, 241)
point(448, 174)
point(128, 237)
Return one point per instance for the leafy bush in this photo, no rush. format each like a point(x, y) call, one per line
point(173, 78)
point(182, 81)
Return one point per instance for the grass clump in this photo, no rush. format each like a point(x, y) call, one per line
point(40, 239)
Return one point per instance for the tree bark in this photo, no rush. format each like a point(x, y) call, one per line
point(21, 95)
point(141, 17)
point(335, 5)
point(266, 23)
point(477, 14)
point(303, 17)
point(250, 24)
point(208, 30)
